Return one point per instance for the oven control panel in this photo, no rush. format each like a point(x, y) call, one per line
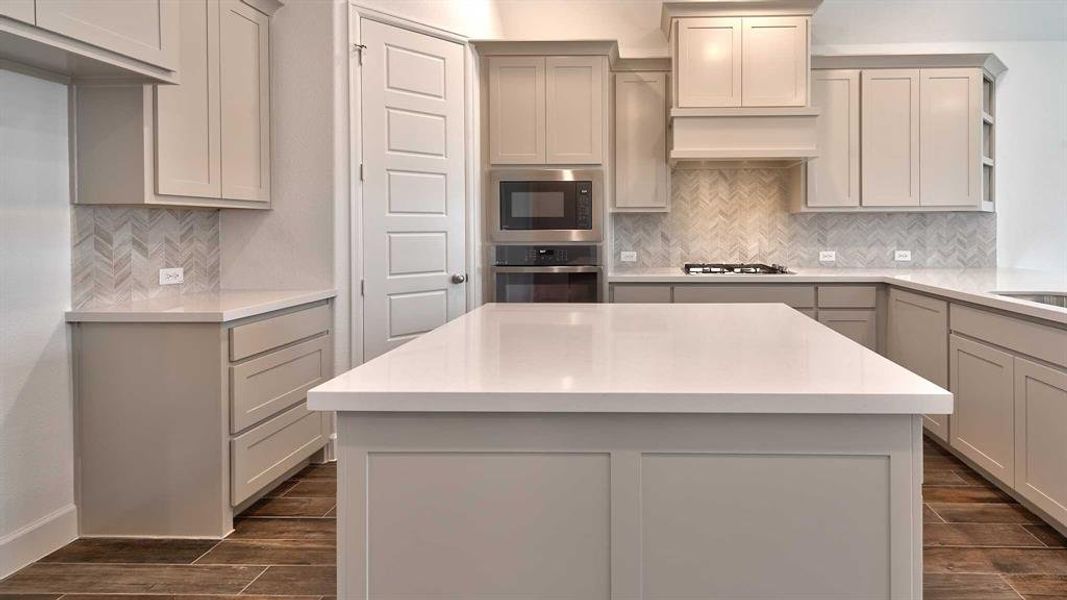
point(545, 256)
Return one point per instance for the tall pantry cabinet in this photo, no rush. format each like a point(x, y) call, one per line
point(204, 142)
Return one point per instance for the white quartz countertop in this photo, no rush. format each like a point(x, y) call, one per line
point(967, 285)
point(214, 307)
point(632, 358)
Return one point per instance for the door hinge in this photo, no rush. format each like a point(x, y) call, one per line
point(359, 48)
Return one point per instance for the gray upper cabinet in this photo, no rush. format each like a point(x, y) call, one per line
point(917, 339)
point(134, 40)
point(834, 177)
point(202, 143)
point(145, 30)
point(642, 179)
point(983, 383)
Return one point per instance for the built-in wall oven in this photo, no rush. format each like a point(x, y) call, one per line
point(545, 205)
point(551, 273)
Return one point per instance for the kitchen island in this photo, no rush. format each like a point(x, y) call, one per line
point(630, 451)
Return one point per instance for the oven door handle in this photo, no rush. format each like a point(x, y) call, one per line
point(553, 269)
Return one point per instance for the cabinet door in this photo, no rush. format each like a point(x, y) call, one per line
point(890, 137)
point(917, 339)
point(858, 325)
point(244, 69)
point(641, 175)
point(516, 110)
point(574, 109)
point(774, 61)
point(950, 125)
point(1041, 436)
point(188, 141)
point(21, 10)
point(146, 30)
point(834, 177)
point(983, 384)
point(708, 62)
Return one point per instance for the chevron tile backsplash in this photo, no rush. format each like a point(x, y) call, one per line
point(742, 216)
point(118, 252)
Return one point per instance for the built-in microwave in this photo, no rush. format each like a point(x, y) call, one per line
point(545, 205)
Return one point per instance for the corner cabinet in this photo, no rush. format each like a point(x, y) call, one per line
point(741, 61)
point(642, 178)
point(547, 110)
point(915, 137)
point(202, 143)
point(917, 339)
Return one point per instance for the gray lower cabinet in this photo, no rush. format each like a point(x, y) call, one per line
point(983, 423)
point(180, 425)
point(623, 294)
point(796, 296)
point(917, 339)
point(1041, 436)
point(860, 325)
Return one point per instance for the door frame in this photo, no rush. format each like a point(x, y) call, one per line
point(472, 261)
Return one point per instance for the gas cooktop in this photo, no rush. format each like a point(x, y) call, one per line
point(733, 268)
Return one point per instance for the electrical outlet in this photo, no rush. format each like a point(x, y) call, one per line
point(171, 276)
point(902, 255)
point(628, 256)
point(827, 256)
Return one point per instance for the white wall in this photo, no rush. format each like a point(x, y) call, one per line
point(296, 245)
point(37, 513)
point(474, 19)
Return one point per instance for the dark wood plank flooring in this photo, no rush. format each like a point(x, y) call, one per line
point(979, 545)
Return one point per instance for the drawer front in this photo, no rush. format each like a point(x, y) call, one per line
point(260, 336)
point(268, 451)
point(622, 294)
point(1047, 343)
point(264, 386)
point(797, 296)
point(848, 296)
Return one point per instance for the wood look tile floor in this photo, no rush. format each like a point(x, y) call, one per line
point(978, 545)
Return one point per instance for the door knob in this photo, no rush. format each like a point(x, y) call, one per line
point(459, 277)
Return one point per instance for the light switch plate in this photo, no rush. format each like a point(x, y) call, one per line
point(628, 256)
point(171, 276)
point(827, 256)
point(902, 255)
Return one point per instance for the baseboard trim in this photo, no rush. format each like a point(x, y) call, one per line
point(38, 539)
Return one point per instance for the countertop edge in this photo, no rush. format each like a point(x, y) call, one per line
point(631, 403)
point(1020, 307)
point(121, 314)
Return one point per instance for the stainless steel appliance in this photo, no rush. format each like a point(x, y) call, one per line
point(733, 268)
point(545, 274)
point(545, 205)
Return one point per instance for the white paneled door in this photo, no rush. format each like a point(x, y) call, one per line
point(414, 184)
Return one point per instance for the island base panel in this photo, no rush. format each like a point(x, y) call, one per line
point(613, 506)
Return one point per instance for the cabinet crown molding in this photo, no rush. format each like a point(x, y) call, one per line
point(734, 8)
point(988, 62)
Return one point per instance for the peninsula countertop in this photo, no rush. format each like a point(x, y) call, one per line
point(628, 358)
point(976, 286)
point(211, 307)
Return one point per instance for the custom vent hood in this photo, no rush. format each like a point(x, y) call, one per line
point(741, 81)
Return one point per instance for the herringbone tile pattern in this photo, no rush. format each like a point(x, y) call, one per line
point(742, 216)
point(118, 252)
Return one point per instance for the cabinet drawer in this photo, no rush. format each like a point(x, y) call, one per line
point(263, 386)
point(1024, 337)
point(797, 296)
point(260, 336)
point(268, 451)
point(848, 296)
point(640, 293)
